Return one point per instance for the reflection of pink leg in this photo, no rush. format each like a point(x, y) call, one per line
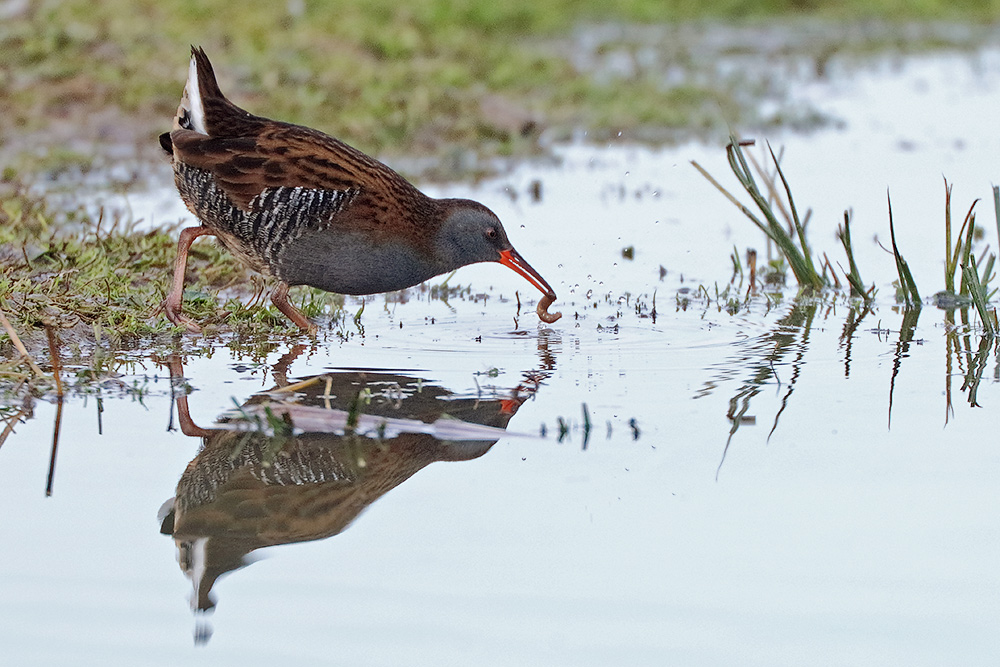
point(280, 370)
point(188, 427)
point(172, 306)
point(279, 297)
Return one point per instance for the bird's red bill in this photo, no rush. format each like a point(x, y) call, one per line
point(510, 258)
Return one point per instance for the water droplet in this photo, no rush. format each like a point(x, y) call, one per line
point(522, 226)
point(559, 265)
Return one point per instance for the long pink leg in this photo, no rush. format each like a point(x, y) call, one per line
point(279, 297)
point(172, 305)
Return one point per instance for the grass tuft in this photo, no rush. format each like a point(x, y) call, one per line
point(790, 237)
point(91, 277)
point(959, 260)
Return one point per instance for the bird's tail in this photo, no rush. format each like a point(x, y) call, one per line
point(204, 109)
point(201, 86)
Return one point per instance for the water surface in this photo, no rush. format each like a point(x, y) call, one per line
point(804, 481)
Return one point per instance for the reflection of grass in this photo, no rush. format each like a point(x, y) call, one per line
point(907, 328)
point(789, 337)
point(960, 347)
point(783, 349)
point(976, 366)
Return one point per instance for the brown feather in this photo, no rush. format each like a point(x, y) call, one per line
point(281, 154)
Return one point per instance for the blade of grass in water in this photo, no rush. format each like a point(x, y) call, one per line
point(960, 255)
point(987, 276)
point(969, 226)
point(799, 227)
point(954, 257)
point(970, 276)
point(906, 283)
point(853, 276)
point(950, 259)
point(996, 208)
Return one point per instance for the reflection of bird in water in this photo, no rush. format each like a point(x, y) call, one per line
point(249, 489)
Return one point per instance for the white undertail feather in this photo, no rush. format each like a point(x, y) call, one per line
point(191, 106)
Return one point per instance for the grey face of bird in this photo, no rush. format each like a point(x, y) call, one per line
point(471, 233)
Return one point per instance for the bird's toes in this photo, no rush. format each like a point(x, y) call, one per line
point(181, 320)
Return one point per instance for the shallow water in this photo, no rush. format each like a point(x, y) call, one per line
point(801, 482)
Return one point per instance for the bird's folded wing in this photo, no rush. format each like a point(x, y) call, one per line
point(284, 156)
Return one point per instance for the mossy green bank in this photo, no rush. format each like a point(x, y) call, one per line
point(91, 278)
point(386, 76)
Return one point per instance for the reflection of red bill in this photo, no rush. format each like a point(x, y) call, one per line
point(509, 406)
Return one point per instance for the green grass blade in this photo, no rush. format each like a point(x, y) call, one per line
point(906, 283)
point(853, 275)
point(950, 261)
point(987, 276)
point(970, 276)
point(970, 227)
point(996, 208)
point(809, 268)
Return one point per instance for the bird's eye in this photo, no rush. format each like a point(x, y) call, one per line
point(492, 233)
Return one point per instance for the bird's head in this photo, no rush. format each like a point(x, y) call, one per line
point(472, 233)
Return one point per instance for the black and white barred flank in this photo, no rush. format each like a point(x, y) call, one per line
point(280, 215)
point(275, 217)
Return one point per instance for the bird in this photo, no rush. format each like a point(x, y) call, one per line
point(308, 209)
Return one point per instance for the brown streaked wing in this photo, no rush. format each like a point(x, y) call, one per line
point(282, 155)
